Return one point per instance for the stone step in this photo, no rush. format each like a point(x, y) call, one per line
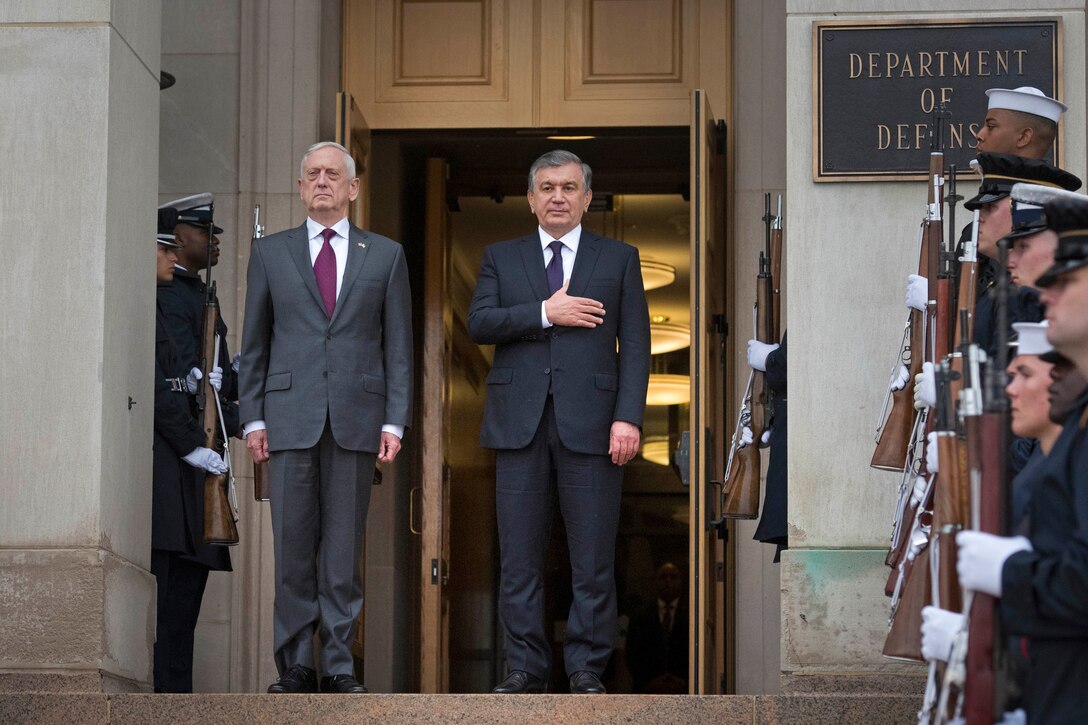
point(132, 709)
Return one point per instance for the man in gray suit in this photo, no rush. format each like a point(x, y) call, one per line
point(325, 387)
point(567, 314)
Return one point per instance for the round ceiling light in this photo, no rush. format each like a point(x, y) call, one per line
point(657, 274)
point(655, 449)
point(668, 336)
point(668, 389)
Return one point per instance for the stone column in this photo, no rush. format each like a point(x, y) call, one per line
point(79, 105)
point(851, 246)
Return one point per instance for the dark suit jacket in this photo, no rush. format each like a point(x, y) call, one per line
point(299, 367)
point(592, 382)
point(650, 653)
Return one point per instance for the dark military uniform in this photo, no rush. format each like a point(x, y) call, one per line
point(183, 306)
point(180, 560)
point(1045, 591)
point(772, 524)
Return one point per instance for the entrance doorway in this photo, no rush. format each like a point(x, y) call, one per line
point(641, 196)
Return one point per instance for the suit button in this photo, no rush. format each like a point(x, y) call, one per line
point(547, 371)
point(328, 336)
point(555, 335)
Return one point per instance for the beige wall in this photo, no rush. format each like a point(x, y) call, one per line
point(79, 94)
point(851, 246)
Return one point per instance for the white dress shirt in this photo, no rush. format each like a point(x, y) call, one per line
point(339, 245)
point(570, 250)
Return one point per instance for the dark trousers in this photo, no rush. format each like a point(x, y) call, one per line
point(588, 488)
point(180, 586)
point(319, 498)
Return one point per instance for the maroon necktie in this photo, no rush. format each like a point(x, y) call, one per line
point(555, 267)
point(325, 272)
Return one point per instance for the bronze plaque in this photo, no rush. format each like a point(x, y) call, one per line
point(876, 86)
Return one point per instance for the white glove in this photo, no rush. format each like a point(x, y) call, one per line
point(1014, 717)
point(215, 377)
point(902, 376)
point(745, 437)
point(981, 558)
point(918, 493)
point(205, 459)
point(236, 362)
point(192, 380)
point(765, 439)
point(917, 292)
point(933, 461)
point(757, 354)
point(925, 387)
point(939, 630)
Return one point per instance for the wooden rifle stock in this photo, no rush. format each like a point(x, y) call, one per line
point(219, 524)
point(904, 640)
point(895, 434)
point(742, 484)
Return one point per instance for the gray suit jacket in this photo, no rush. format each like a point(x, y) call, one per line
point(298, 366)
point(595, 376)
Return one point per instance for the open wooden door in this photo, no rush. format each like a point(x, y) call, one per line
point(432, 497)
point(353, 134)
point(710, 658)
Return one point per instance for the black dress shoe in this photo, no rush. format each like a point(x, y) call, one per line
point(296, 679)
point(520, 682)
point(585, 682)
point(342, 684)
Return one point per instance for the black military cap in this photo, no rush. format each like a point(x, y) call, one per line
point(1069, 218)
point(197, 210)
point(1028, 215)
point(1001, 171)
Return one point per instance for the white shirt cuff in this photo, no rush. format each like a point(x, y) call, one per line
point(544, 321)
point(252, 426)
point(397, 430)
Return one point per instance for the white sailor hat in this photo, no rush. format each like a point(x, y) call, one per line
point(1027, 100)
point(1031, 338)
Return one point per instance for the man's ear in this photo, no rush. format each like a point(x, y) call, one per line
point(1025, 137)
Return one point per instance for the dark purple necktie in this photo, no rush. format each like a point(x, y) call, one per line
point(555, 267)
point(325, 272)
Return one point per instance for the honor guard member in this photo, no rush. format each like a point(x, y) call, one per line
point(772, 528)
point(1041, 579)
point(183, 302)
point(180, 560)
point(1020, 121)
point(1031, 243)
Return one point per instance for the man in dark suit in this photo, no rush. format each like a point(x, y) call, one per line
point(657, 640)
point(180, 560)
point(567, 314)
point(325, 387)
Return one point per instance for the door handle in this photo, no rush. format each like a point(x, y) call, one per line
point(412, 511)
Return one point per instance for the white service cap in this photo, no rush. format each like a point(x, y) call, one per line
point(1031, 338)
point(1027, 100)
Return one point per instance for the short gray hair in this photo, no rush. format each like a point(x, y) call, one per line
point(556, 158)
point(349, 163)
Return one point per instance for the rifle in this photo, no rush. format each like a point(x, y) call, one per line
point(261, 483)
point(984, 681)
point(897, 414)
point(743, 470)
point(220, 521)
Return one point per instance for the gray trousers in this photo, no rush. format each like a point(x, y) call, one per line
point(319, 499)
point(588, 488)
